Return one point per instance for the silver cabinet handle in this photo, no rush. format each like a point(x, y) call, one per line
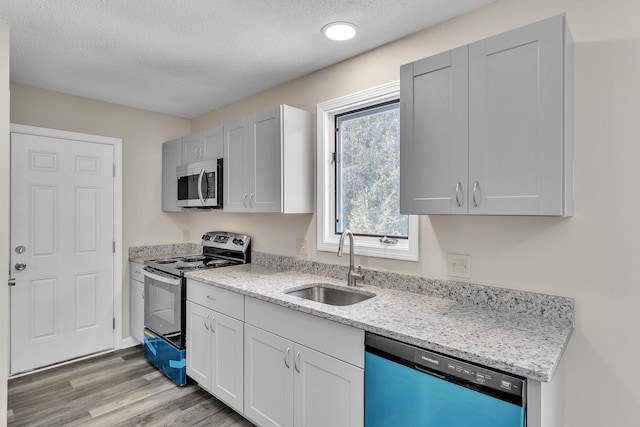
point(295, 362)
point(211, 324)
point(458, 193)
point(252, 196)
point(211, 297)
point(20, 266)
point(286, 357)
point(205, 322)
point(244, 200)
point(475, 189)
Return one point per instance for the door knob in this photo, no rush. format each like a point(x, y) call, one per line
point(20, 266)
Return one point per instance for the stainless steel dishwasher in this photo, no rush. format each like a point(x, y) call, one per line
point(410, 386)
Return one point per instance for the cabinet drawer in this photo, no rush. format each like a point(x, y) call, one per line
point(135, 271)
point(334, 339)
point(218, 299)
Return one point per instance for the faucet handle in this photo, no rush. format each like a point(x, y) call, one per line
point(357, 276)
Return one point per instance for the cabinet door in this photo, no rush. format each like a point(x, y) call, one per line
point(227, 382)
point(268, 387)
point(434, 134)
point(199, 344)
point(236, 166)
point(192, 147)
point(136, 309)
point(171, 158)
point(328, 391)
point(266, 161)
point(212, 142)
point(516, 121)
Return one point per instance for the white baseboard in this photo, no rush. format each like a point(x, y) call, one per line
point(129, 342)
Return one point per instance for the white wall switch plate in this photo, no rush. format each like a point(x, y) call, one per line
point(459, 265)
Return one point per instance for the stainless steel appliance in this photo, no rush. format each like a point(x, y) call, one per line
point(410, 386)
point(165, 296)
point(200, 184)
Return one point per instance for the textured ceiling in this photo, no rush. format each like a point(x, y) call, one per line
point(186, 58)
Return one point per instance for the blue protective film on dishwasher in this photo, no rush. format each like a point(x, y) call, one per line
point(396, 395)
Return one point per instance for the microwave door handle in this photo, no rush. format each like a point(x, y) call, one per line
point(200, 186)
point(159, 278)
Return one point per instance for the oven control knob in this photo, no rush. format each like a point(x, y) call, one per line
point(206, 237)
point(238, 242)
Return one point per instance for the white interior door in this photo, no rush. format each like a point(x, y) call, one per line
point(62, 233)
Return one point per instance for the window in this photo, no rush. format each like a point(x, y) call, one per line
point(367, 172)
point(358, 175)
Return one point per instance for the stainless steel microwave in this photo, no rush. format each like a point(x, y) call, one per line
point(200, 184)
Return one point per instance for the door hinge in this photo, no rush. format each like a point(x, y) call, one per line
point(114, 246)
point(336, 158)
point(114, 170)
point(114, 323)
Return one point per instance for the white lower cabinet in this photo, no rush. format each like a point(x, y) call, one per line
point(327, 391)
point(215, 345)
point(290, 384)
point(269, 378)
point(280, 368)
point(136, 302)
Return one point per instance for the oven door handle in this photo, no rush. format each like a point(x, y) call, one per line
point(159, 278)
point(200, 186)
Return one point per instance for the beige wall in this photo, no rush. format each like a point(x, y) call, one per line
point(590, 256)
point(142, 133)
point(4, 211)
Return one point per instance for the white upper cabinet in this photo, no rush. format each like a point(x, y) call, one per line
point(238, 169)
point(511, 117)
point(203, 145)
point(268, 162)
point(171, 158)
point(434, 134)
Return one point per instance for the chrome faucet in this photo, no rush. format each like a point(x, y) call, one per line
point(352, 276)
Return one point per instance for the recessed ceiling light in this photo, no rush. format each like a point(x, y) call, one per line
point(340, 31)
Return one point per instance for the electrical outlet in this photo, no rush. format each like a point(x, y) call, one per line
point(459, 265)
point(301, 246)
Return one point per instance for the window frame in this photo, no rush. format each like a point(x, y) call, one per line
point(327, 239)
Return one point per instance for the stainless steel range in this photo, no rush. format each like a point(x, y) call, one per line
point(165, 296)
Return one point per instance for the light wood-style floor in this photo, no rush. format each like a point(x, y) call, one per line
point(116, 389)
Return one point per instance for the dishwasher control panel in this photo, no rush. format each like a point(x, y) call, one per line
point(454, 368)
point(480, 378)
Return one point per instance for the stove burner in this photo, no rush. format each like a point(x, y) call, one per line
point(217, 263)
point(191, 259)
point(165, 261)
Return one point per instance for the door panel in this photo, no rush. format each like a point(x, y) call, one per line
point(235, 166)
point(267, 161)
point(228, 360)
point(434, 134)
point(268, 389)
point(328, 391)
point(199, 344)
point(43, 308)
point(515, 124)
point(62, 212)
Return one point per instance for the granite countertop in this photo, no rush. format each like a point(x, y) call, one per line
point(520, 343)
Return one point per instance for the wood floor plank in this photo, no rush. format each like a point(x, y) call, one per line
point(119, 388)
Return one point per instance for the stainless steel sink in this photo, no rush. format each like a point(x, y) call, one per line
point(330, 294)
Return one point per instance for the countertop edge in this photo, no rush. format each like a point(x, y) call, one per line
point(543, 373)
